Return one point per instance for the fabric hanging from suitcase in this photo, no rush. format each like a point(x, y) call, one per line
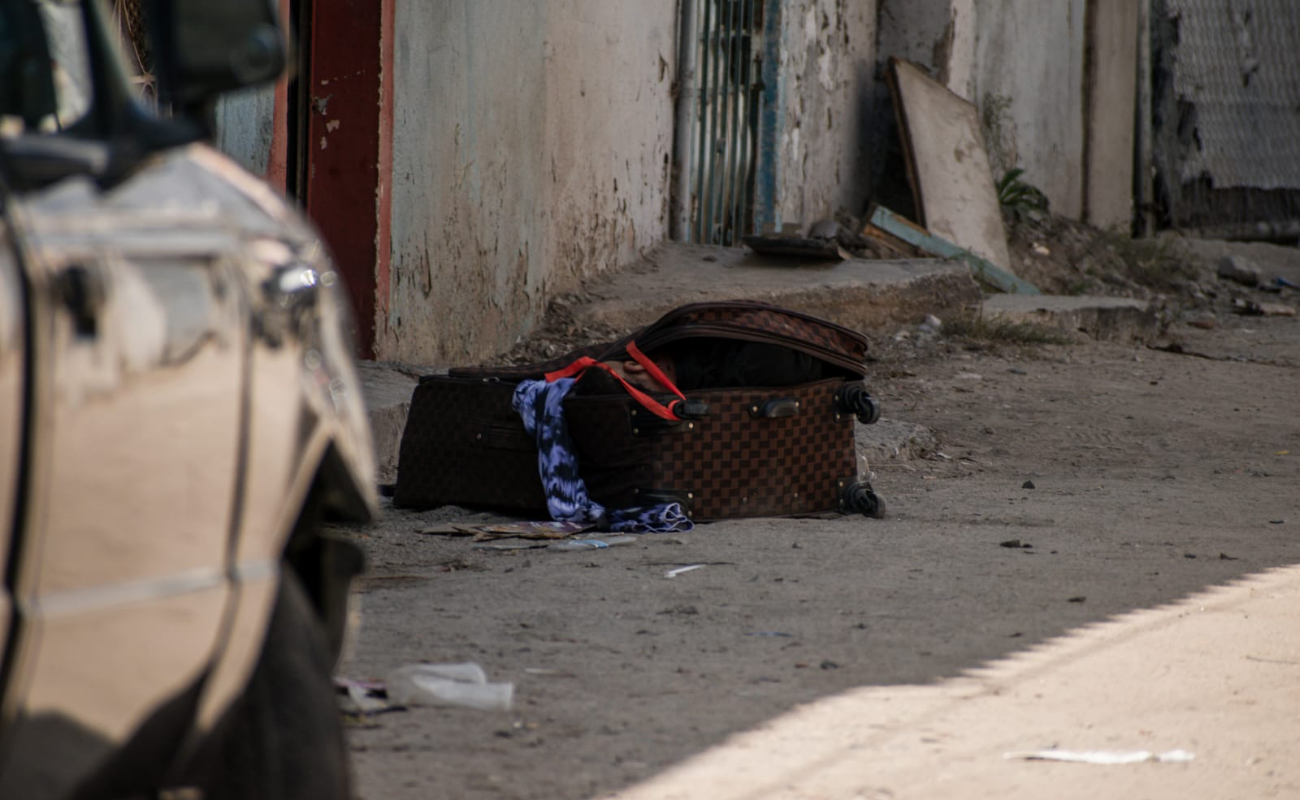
point(540, 407)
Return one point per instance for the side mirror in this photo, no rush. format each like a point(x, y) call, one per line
point(204, 48)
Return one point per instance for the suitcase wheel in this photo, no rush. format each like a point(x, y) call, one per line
point(859, 497)
point(853, 398)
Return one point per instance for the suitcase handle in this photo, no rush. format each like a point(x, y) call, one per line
point(775, 408)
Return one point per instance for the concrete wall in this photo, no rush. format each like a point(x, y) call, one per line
point(531, 149)
point(827, 63)
point(245, 125)
point(1031, 53)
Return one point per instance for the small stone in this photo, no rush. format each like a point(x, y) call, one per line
point(828, 664)
point(1240, 270)
point(1205, 322)
point(1078, 599)
point(1010, 543)
point(1018, 371)
point(1028, 485)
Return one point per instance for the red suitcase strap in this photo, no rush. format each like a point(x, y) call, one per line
point(652, 405)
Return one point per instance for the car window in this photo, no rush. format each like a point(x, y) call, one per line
point(45, 85)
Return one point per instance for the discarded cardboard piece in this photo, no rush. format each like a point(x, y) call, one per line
point(948, 167)
point(892, 225)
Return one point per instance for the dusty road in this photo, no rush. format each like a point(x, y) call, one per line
point(1153, 475)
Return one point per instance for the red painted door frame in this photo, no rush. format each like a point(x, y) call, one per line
point(345, 172)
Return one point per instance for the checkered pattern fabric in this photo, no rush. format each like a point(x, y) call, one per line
point(732, 463)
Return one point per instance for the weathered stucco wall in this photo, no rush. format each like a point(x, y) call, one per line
point(1029, 63)
point(531, 146)
point(827, 64)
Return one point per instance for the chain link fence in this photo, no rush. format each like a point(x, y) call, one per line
point(1226, 115)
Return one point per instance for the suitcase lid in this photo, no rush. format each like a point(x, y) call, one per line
point(745, 320)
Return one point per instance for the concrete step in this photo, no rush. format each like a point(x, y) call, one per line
point(1115, 319)
point(866, 295)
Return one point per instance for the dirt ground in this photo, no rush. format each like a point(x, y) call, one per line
point(1048, 486)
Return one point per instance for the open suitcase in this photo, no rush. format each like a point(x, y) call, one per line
point(731, 449)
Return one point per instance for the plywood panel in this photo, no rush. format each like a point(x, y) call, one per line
point(948, 165)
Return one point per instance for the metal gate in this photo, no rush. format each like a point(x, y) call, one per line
point(718, 120)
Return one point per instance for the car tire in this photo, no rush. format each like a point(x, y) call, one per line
point(284, 739)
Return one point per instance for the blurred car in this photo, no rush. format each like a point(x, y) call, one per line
point(179, 410)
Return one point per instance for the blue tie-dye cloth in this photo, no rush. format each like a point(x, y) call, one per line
point(540, 406)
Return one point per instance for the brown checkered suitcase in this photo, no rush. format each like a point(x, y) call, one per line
point(464, 445)
point(734, 451)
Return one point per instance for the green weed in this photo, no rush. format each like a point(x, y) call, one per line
point(1016, 195)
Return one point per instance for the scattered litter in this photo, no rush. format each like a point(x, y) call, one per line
point(547, 529)
point(673, 573)
point(592, 543)
point(508, 544)
point(1041, 250)
point(1104, 757)
point(790, 241)
point(1283, 282)
point(463, 685)
point(1252, 309)
point(362, 697)
point(932, 324)
point(1277, 310)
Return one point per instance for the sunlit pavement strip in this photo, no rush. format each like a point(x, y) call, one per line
point(1216, 675)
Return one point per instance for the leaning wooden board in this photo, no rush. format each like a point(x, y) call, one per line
point(947, 164)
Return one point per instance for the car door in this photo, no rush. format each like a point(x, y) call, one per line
point(12, 382)
point(122, 580)
point(138, 337)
